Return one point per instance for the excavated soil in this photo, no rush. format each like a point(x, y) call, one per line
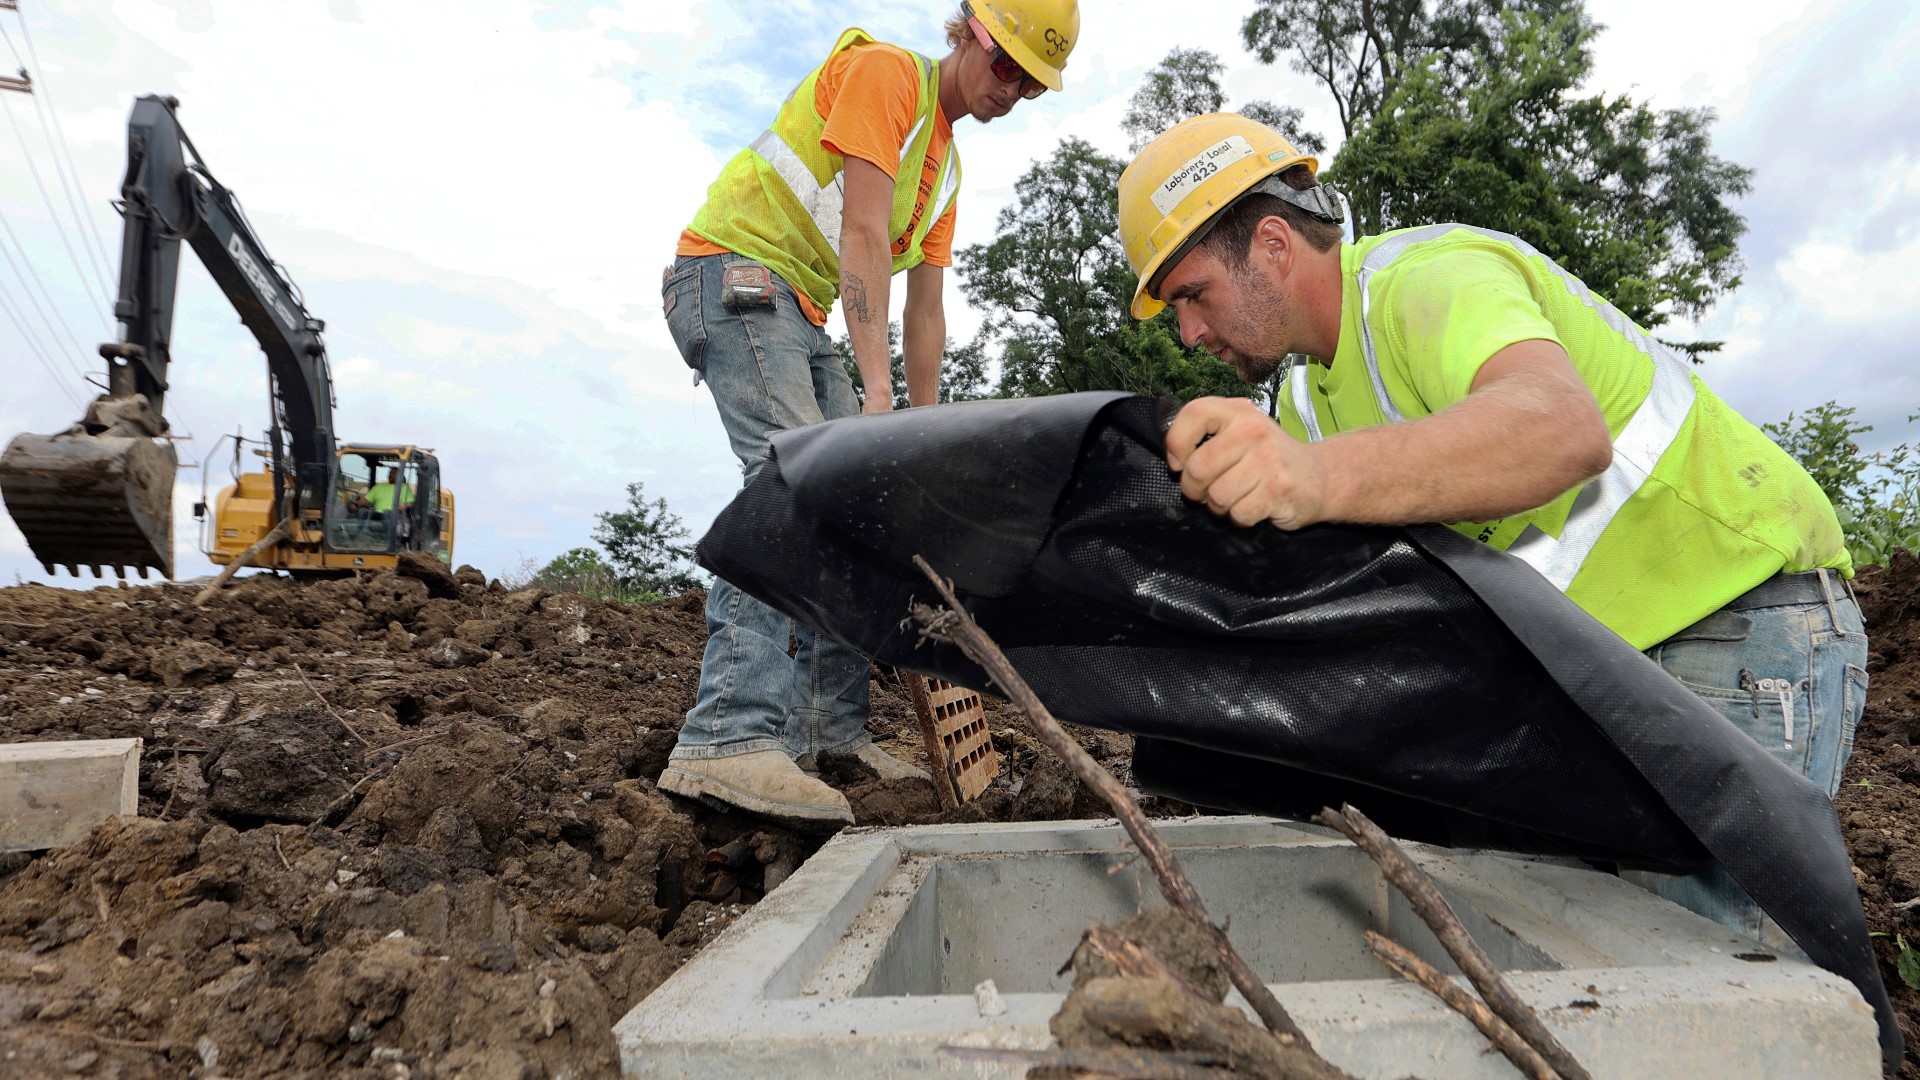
point(397, 826)
point(406, 826)
point(1879, 800)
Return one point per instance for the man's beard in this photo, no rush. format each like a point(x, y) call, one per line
point(1260, 333)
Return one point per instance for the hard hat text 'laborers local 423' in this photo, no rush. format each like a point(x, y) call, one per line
point(1198, 168)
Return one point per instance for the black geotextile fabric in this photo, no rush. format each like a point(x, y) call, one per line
point(1443, 687)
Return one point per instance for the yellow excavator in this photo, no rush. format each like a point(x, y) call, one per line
point(101, 492)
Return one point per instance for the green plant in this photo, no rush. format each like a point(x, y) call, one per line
point(644, 546)
point(583, 571)
point(1907, 965)
point(1876, 496)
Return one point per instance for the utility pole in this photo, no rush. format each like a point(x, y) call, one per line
point(9, 5)
point(24, 83)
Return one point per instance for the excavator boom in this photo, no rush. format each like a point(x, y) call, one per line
point(101, 492)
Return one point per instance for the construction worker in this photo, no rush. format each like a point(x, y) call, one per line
point(855, 181)
point(381, 497)
point(1452, 374)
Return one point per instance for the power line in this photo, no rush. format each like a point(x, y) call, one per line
point(30, 277)
point(52, 214)
point(33, 346)
point(91, 230)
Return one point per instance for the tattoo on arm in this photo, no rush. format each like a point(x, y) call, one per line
point(856, 298)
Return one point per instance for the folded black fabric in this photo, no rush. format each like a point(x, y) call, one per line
point(1443, 687)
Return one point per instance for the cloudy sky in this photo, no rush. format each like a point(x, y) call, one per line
point(478, 198)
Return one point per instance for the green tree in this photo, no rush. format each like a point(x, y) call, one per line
point(1877, 495)
point(581, 570)
point(963, 369)
point(1630, 199)
point(1360, 49)
point(1286, 120)
point(645, 545)
point(1187, 83)
point(1055, 286)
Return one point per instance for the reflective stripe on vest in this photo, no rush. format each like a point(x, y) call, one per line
point(823, 204)
point(1636, 450)
point(1303, 396)
point(826, 203)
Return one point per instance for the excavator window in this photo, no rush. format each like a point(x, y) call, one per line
point(373, 503)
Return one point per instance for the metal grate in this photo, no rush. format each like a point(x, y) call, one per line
point(959, 754)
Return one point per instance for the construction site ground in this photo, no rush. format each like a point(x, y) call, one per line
point(406, 825)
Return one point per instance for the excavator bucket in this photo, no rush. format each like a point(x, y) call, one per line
point(92, 500)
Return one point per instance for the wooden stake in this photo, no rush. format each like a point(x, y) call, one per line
point(1473, 961)
point(954, 625)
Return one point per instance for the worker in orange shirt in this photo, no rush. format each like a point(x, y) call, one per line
point(855, 180)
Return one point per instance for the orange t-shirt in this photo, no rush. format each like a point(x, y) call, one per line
point(870, 95)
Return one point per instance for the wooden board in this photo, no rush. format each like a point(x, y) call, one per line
point(53, 793)
point(959, 752)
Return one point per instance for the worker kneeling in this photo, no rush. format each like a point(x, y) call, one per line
point(1457, 375)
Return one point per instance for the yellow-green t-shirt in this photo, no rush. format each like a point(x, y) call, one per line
point(1698, 506)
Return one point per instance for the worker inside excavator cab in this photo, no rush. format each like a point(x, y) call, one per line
point(368, 512)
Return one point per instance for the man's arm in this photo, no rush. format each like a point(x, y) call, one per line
point(1528, 430)
point(865, 269)
point(925, 334)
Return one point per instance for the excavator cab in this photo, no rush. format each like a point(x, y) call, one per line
point(386, 499)
point(378, 502)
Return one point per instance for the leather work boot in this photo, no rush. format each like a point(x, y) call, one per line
point(765, 782)
point(886, 765)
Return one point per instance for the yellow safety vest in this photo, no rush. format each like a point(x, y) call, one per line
point(779, 201)
point(1697, 506)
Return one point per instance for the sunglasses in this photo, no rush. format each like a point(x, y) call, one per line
point(1004, 67)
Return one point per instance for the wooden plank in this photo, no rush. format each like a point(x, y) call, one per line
point(53, 793)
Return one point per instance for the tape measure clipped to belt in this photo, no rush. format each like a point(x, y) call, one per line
point(960, 755)
point(746, 285)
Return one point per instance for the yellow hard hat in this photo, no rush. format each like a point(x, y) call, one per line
point(1180, 182)
point(1037, 33)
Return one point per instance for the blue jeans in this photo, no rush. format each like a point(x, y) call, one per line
point(1794, 678)
point(769, 369)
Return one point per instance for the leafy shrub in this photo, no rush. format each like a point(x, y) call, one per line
point(1877, 495)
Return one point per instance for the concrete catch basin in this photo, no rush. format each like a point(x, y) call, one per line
point(867, 960)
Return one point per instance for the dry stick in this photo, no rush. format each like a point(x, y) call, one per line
point(282, 854)
point(245, 558)
point(1137, 1064)
point(955, 625)
point(1504, 1038)
point(175, 789)
point(329, 708)
point(1432, 908)
point(353, 793)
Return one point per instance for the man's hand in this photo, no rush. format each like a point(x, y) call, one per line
point(1242, 465)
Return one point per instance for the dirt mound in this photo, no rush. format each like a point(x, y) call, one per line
point(394, 826)
point(1879, 800)
point(401, 825)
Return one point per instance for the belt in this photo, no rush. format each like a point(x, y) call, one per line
point(1781, 590)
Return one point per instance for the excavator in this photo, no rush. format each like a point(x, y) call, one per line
point(101, 492)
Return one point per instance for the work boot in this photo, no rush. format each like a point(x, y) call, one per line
point(765, 782)
point(886, 765)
